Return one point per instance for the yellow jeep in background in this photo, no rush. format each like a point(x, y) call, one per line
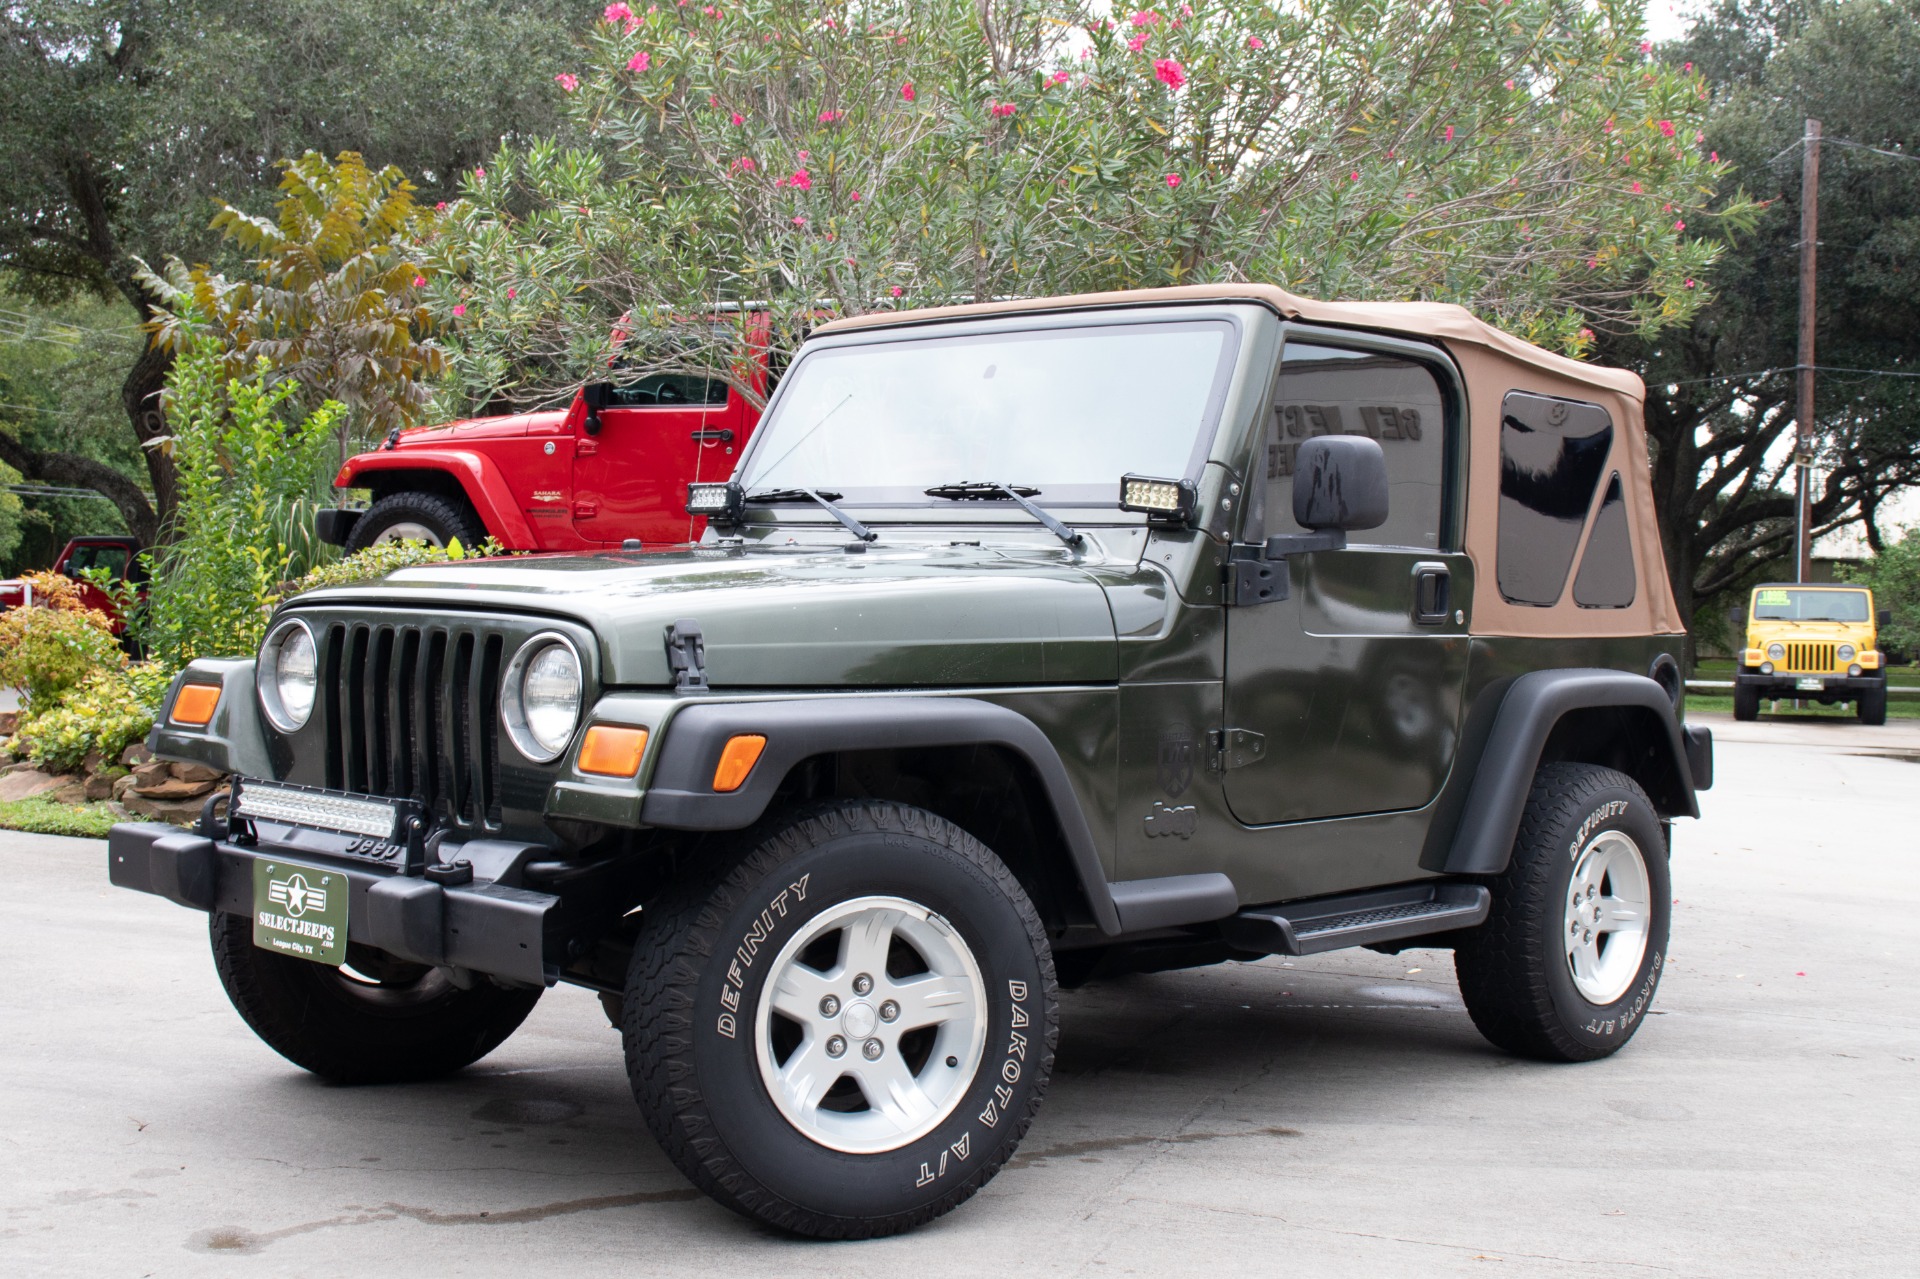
point(1813, 643)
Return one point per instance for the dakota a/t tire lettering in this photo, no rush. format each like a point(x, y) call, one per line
point(696, 986)
point(1515, 975)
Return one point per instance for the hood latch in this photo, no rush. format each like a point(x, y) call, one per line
point(687, 655)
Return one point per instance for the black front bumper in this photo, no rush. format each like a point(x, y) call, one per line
point(486, 927)
point(1839, 688)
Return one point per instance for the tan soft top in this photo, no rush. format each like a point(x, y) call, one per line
point(1452, 324)
point(1493, 363)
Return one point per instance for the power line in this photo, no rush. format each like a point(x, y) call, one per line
point(1784, 368)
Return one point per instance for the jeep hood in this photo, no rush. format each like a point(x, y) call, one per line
point(547, 421)
point(788, 617)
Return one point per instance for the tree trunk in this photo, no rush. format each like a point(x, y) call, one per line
point(140, 394)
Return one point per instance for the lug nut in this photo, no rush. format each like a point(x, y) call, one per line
point(830, 1006)
point(863, 985)
point(871, 1050)
point(836, 1046)
point(889, 1011)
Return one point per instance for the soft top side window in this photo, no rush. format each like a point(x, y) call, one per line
point(1553, 453)
point(1330, 390)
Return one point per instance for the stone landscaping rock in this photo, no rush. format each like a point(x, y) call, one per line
point(99, 787)
point(194, 772)
point(151, 773)
point(180, 812)
point(121, 785)
point(172, 788)
point(25, 782)
point(71, 790)
point(94, 762)
point(9, 720)
point(135, 755)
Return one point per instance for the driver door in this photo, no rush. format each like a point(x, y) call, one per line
point(656, 435)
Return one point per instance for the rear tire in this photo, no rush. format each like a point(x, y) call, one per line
point(1746, 702)
point(417, 517)
point(1871, 706)
point(404, 1022)
point(844, 1029)
point(1567, 963)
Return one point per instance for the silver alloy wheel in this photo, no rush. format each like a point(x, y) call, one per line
point(1608, 910)
point(408, 531)
point(854, 1057)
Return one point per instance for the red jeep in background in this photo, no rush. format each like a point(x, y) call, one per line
point(120, 556)
point(612, 466)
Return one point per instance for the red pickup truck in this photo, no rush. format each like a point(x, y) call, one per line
point(612, 466)
point(120, 556)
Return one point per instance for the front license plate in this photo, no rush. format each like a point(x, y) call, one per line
point(1810, 685)
point(300, 911)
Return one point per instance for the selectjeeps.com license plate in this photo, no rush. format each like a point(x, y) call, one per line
point(1809, 685)
point(300, 911)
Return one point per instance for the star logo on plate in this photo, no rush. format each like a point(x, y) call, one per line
point(297, 895)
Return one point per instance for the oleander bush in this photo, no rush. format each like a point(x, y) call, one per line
point(49, 648)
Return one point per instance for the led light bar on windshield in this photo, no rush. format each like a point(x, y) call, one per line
point(1163, 501)
point(325, 812)
point(721, 503)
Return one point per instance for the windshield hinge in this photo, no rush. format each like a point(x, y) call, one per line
point(687, 656)
point(1236, 748)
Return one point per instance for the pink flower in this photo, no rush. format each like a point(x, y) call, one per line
point(1636, 188)
point(1646, 46)
point(712, 12)
point(440, 207)
point(1714, 156)
point(801, 180)
point(512, 293)
point(616, 13)
point(1173, 181)
point(743, 165)
point(1587, 334)
point(1687, 67)
point(1001, 109)
point(1666, 128)
point(480, 175)
point(736, 119)
point(1171, 73)
point(1354, 176)
point(896, 291)
point(1698, 138)
point(1593, 264)
point(639, 61)
point(567, 81)
point(419, 281)
point(803, 157)
point(1058, 77)
point(828, 117)
point(1509, 84)
point(855, 197)
point(1608, 126)
point(1187, 9)
point(1136, 43)
point(1679, 226)
point(906, 91)
point(798, 220)
point(1255, 42)
point(459, 308)
point(1145, 18)
point(1689, 283)
point(1449, 136)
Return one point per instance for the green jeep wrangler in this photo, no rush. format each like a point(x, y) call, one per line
point(1029, 642)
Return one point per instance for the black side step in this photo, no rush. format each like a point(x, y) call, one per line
point(1358, 919)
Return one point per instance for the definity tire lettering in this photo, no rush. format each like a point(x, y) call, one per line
point(748, 950)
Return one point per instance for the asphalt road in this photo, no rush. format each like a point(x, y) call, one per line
point(1333, 1116)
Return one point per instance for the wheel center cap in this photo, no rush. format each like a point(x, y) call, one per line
point(860, 1020)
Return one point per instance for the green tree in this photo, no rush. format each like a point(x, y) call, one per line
point(1525, 158)
point(334, 300)
point(125, 118)
point(1721, 405)
point(1894, 574)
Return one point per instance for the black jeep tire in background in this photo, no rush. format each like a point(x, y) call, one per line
point(1746, 702)
point(844, 1028)
point(380, 1021)
point(1552, 973)
point(422, 517)
point(1871, 705)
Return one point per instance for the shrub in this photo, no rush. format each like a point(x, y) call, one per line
point(107, 711)
point(45, 651)
point(385, 557)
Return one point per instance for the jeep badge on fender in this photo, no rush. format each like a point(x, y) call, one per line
point(1025, 644)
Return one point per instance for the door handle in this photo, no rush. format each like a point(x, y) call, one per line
point(1432, 594)
point(713, 435)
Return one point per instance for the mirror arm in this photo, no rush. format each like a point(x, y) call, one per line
point(1330, 539)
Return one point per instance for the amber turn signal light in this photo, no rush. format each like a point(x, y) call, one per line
point(737, 760)
point(612, 751)
point(194, 707)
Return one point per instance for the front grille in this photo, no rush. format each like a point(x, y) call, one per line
point(412, 712)
point(1810, 657)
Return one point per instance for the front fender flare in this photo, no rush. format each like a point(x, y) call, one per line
point(1529, 710)
point(476, 474)
point(681, 795)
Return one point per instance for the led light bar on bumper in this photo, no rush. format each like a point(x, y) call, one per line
point(1163, 501)
point(267, 803)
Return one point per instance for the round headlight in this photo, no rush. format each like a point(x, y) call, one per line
point(1846, 652)
point(540, 703)
point(287, 675)
point(1776, 651)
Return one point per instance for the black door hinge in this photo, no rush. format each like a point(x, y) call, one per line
point(1236, 748)
point(687, 656)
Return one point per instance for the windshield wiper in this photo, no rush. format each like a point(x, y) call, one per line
point(990, 490)
point(825, 501)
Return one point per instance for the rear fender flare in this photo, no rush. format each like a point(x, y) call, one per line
point(477, 475)
point(1531, 708)
point(680, 795)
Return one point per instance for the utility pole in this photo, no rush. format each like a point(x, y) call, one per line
point(1803, 426)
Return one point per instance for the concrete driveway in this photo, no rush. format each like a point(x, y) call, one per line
point(1333, 1116)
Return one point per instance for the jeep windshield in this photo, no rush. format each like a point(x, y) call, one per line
point(1780, 604)
point(1062, 412)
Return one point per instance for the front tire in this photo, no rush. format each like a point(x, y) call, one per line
point(1746, 702)
point(417, 517)
point(1566, 964)
point(379, 1021)
point(845, 1029)
point(1871, 706)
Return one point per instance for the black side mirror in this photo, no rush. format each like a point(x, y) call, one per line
point(1340, 482)
point(598, 395)
point(1883, 619)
